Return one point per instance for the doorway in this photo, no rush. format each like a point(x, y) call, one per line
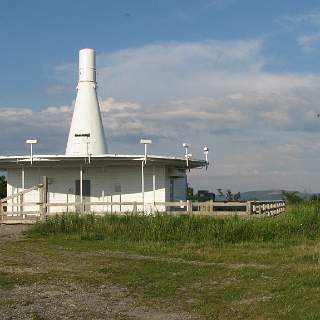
point(86, 194)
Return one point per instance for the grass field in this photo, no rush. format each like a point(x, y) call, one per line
point(165, 268)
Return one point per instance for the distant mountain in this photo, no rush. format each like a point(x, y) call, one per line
point(267, 195)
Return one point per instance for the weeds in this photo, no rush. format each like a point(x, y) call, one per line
point(301, 220)
point(261, 268)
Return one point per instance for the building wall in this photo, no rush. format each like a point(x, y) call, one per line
point(108, 184)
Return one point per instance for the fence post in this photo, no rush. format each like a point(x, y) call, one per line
point(134, 210)
point(1, 213)
point(44, 196)
point(189, 206)
point(249, 207)
point(21, 199)
point(40, 200)
point(82, 208)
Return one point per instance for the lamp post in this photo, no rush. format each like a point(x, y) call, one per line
point(31, 142)
point(145, 142)
point(206, 153)
point(187, 154)
point(143, 163)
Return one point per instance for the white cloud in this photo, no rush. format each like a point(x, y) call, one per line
point(8, 114)
point(218, 4)
point(311, 18)
point(307, 26)
point(110, 105)
point(57, 90)
point(167, 71)
point(218, 93)
point(308, 42)
point(57, 110)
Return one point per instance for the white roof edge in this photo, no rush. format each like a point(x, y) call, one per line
point(115, 155)
point(106, 156)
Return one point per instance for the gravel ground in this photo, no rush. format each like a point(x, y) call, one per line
point(71, 301)
point(12, 231)
point(59, 299)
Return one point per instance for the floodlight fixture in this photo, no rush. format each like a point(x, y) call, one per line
point(145, 141)
point(186, 145)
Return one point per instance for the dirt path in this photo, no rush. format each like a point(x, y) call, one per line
point(68, 300)
point(12, 231)
point(139, 257)
point(33, 287)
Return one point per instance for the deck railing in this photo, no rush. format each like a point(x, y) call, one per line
point(13, 209)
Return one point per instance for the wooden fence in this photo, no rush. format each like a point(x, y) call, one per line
point(241, 208)
point(13, 209)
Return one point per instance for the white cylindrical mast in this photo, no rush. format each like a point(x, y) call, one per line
point(86, 135)
point(87, 65)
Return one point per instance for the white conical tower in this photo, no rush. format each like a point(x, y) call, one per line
point(86, 135)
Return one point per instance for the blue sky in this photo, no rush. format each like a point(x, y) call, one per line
point(240, 76)
point(37, 35)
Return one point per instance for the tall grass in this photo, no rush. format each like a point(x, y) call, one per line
point(301, 220)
